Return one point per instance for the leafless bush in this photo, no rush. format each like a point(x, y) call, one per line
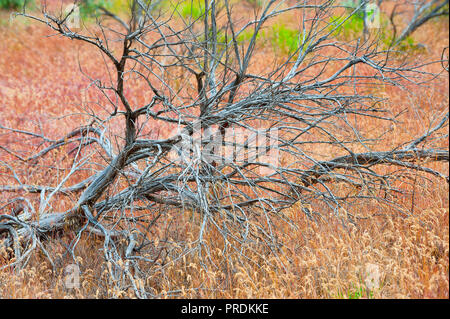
point(292, 130)
point(423, 11)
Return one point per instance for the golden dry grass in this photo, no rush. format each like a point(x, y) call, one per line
point(409, 256)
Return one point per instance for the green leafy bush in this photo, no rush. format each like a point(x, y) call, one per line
point(246, 35)
point(284, 38)
point(90, 8)
point(192, 8)
point(347, 28)
point(13, 4)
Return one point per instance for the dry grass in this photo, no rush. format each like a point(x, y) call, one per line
point(408, 256)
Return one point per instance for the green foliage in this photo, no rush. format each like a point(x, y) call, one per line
point(122, 6)
point(284, 39)
point(350, 4)
point(351, 24)
point(352, 27)
point(409, 45)
point(246, 35)
point(347, 27)
point(355, 293)
point(89, 8)
point(256, 3)
point(192, 8)
point(119, 6)
point(13, 4)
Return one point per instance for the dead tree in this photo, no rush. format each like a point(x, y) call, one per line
point(423, 11)
point(292, 129)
